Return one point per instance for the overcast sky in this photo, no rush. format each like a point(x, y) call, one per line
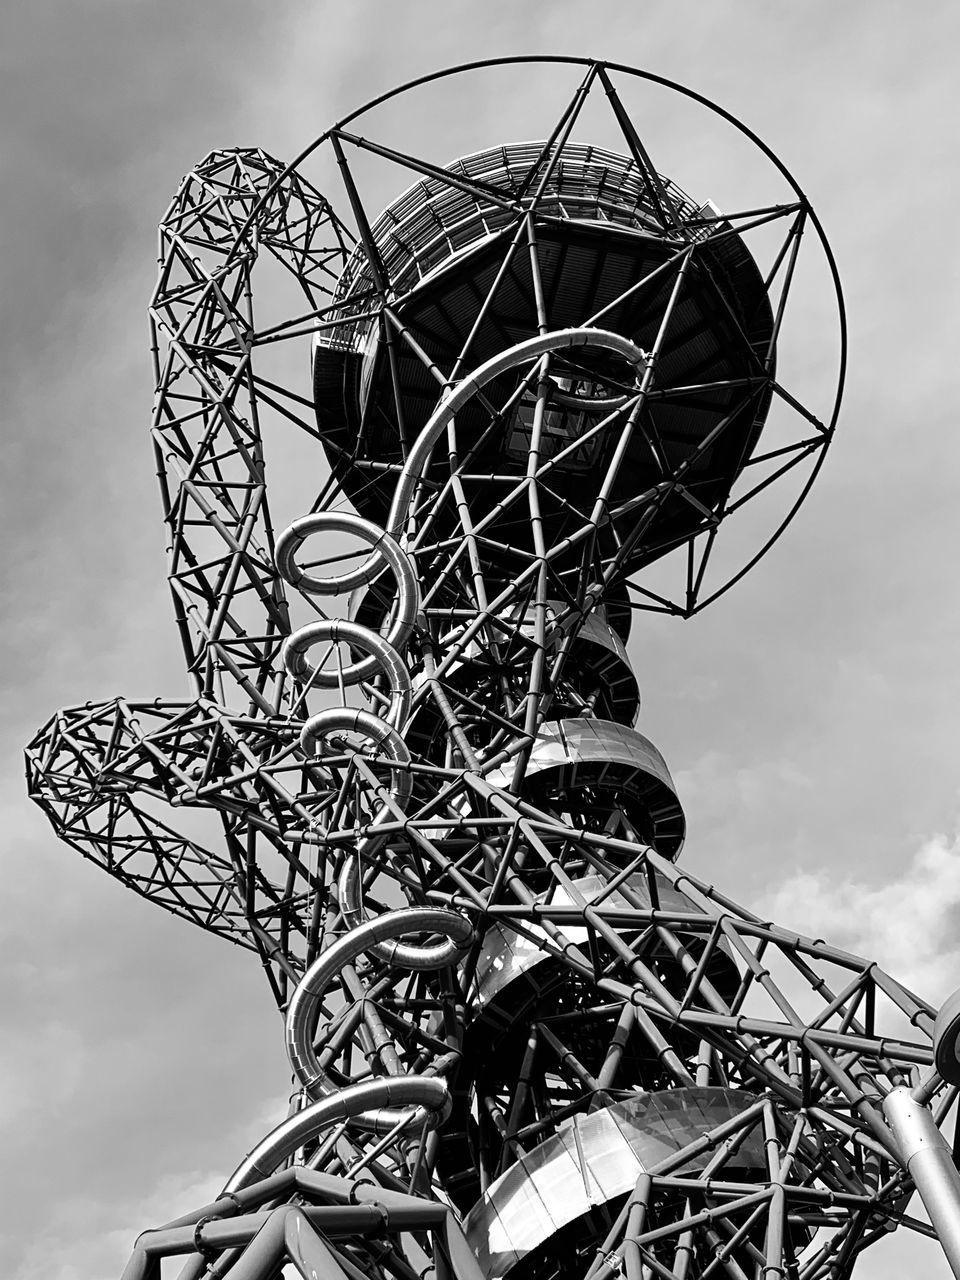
point(811, 718)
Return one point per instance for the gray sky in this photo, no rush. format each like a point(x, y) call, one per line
point(811, 718)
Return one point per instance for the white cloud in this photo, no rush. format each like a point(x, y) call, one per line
point(718, 784)
point(48, 1065)
point(907, 924)
point(86, 1235)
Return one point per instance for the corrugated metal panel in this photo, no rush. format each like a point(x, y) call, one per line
point(593, 755)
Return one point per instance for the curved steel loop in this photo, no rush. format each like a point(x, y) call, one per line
point(405, 955)
point(304, 1007)
point(452, 403)
point(371, 1106)
point(352, 720)
point(383, 659)
point(385, 552)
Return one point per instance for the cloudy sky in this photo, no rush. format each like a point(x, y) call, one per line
point(811, 718)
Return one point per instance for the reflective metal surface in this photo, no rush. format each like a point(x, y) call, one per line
point(575, 760)
point(598, 662)
point(506, 954)
point(593, 1160)
point(928, 1158)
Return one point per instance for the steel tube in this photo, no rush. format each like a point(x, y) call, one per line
point(385, 552)
point(558, 340)
point(353, 720)
point(404, 954)
point(383, 659)
point(372, 1105)
point(304, 1007)
point(927, 1158)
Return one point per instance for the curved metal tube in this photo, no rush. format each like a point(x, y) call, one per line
point(354, 720)
point(304, 1007)
point(403, 954)
point(926, 1156)
point(370, 1105)
point(385, 552)
point(382, 656)
point(559, 340)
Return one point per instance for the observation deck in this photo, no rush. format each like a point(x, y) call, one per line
point(608, 240)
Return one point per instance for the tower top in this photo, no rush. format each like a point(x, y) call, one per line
point(730, 293)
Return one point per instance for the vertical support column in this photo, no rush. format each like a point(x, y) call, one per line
point(924, 1152)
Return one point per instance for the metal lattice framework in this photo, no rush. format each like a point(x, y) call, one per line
point(527, 1043)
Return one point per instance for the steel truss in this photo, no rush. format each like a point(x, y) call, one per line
point(526, 1042)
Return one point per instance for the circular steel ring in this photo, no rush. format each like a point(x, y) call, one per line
point(353, 720)
point(383, 659)
point(385, 552)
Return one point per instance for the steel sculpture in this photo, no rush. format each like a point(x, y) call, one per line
point(526, 1042)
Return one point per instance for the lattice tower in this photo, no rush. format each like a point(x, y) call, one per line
point(526, 1043)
